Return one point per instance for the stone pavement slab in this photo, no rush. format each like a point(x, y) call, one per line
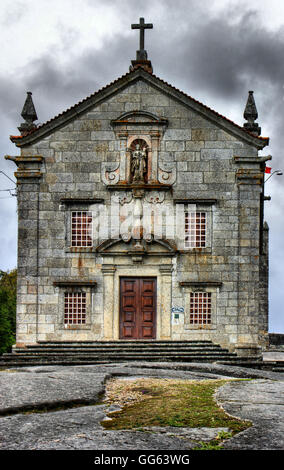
point(29, 390)
point(259, 400)
point(80, 429)
point(53, 386)
point(262, 403)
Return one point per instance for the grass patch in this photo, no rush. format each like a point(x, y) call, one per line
point(215, 444)
point(168, 402)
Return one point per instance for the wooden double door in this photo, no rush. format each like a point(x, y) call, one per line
point(138, 300)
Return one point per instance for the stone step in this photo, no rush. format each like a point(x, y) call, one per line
point(117, 356)
point(118, 349)
point(127, 341)
point(102, 352)
point(129, 344)
point(76, 360)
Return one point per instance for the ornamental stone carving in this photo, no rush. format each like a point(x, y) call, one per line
point(155, 197)
point(110, 172)
point(124, 197)
point(167, 172)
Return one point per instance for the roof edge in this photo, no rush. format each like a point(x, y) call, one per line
point(121, 82)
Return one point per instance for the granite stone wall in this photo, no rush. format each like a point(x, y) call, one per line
point(211, 165)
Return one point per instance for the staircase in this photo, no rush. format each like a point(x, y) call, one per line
point(90, 352)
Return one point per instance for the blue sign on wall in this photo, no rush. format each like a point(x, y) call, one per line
point(177, 310)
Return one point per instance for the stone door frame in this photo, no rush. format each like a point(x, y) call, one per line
point(111, 299)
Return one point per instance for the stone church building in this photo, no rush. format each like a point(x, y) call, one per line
point(140, 217)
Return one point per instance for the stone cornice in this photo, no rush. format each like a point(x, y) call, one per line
point(142, 186)
point(200, 284)
point(196, 201)
point(108, 269)
point(73, 283)
point(28, 174)
point(66, 200)
point(25, 159)
point(254, 160)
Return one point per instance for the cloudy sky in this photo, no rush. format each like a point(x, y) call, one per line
point(215, 51)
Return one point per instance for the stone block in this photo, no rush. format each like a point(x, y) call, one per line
point(102, 135)
point(220, 154)
point(177, 134)
point(190, 177)
point(175, 146)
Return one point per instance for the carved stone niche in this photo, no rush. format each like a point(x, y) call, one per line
point(143, 129)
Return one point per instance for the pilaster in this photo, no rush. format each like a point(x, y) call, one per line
point(166, 301)
point(108, 271)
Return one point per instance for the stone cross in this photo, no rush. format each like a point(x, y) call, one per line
point(142, 26)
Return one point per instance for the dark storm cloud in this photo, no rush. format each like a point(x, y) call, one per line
point(56, 86)
point(215, 57)
point(212, 56)
point(223, 56)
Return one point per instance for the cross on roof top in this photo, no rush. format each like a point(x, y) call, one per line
point(142, 26)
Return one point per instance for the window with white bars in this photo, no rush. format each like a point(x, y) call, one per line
point(81, 228)
point(75, 308)
point(200, 308)
point(195, 229)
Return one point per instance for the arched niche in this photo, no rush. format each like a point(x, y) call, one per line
point(138, 126)
point(144, 143)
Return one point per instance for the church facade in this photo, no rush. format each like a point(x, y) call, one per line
point(140, 217)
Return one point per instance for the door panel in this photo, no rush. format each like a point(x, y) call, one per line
point(137, 308)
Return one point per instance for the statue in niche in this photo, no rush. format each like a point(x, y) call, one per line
point(138, 164)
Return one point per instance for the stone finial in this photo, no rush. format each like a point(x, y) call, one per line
point(250, 114)
point(29, 114)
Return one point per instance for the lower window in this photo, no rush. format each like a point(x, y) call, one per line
point(200, 308)
point(75, 308)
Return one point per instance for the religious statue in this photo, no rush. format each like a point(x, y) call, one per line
point(138, 164)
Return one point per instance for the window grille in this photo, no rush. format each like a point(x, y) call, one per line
point(200, 308)
point(75, 308)
point(82, 229)
point(195, 229)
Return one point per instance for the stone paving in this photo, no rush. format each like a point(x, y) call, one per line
point(260, 400)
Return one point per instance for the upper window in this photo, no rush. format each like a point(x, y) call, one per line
point(82, 229)
point(195, 229)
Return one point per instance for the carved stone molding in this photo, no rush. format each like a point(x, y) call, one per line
point(124, 197)
point(166, 269)
point(155, 197)
point(110, 172)
point(108, 269)
point(28, 166)
point(167, 172)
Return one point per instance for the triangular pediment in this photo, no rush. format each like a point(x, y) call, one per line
point(132, 247)
point(121, 84)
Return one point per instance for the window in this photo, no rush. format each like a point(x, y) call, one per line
point(200, 308)
point(195, 229)
point(75, 308)
point(82, 228)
